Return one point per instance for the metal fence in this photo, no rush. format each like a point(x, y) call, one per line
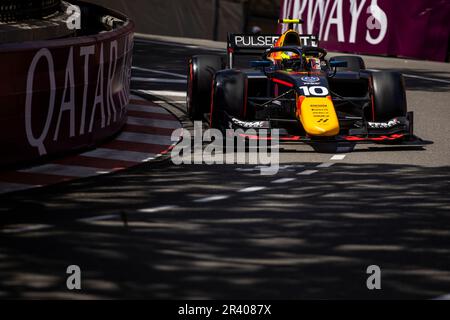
point(18, 10)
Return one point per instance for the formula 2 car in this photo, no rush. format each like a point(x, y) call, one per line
point(294, 88)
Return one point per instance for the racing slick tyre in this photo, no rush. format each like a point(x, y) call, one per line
point(230, 96)
point(201, 70)
point(389, 97)
point(354, 63)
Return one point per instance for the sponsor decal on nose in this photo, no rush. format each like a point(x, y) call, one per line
point(310, 79)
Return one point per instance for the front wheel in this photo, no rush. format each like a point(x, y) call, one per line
point(229, 95)
point(389, 96)
point(201, 71)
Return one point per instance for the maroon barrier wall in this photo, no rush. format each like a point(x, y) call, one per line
point(413, 28)
point(61, 95)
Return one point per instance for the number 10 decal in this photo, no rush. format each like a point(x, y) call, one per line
point(318, 91)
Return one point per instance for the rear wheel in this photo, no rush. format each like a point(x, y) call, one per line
point(201, 70)
point(389, 97)
point(354, 63)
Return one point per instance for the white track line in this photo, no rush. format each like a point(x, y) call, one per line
point(164, 93)
point(158, 80)
point(338, 157)
point(122, 155)
point(284, 180)
point(307, 172)
point(212, 198)
point(166, 124)
point(160, 72)
point(252, 189)
point(65, 170)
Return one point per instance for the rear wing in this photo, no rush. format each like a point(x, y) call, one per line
point(254, 44)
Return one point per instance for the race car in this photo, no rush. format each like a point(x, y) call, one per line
point(293, 87)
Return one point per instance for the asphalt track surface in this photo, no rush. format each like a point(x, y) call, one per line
point(225, 231)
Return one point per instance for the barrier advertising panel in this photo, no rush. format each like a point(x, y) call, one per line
point(61, 95)
point(414, 28)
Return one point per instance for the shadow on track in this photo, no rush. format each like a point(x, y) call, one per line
point(312, 238)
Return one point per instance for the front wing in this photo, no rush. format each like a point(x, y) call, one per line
point(401, 134)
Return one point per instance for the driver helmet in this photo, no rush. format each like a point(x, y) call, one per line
point(284, 55)
point(287, 55)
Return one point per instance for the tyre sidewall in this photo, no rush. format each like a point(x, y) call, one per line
point(229, 95)
point(201, 71)
point(389, 97)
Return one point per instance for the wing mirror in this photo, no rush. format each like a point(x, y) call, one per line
point(261, 63)
point(338, 64)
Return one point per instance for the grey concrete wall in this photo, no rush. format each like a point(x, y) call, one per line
point(180, 18)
